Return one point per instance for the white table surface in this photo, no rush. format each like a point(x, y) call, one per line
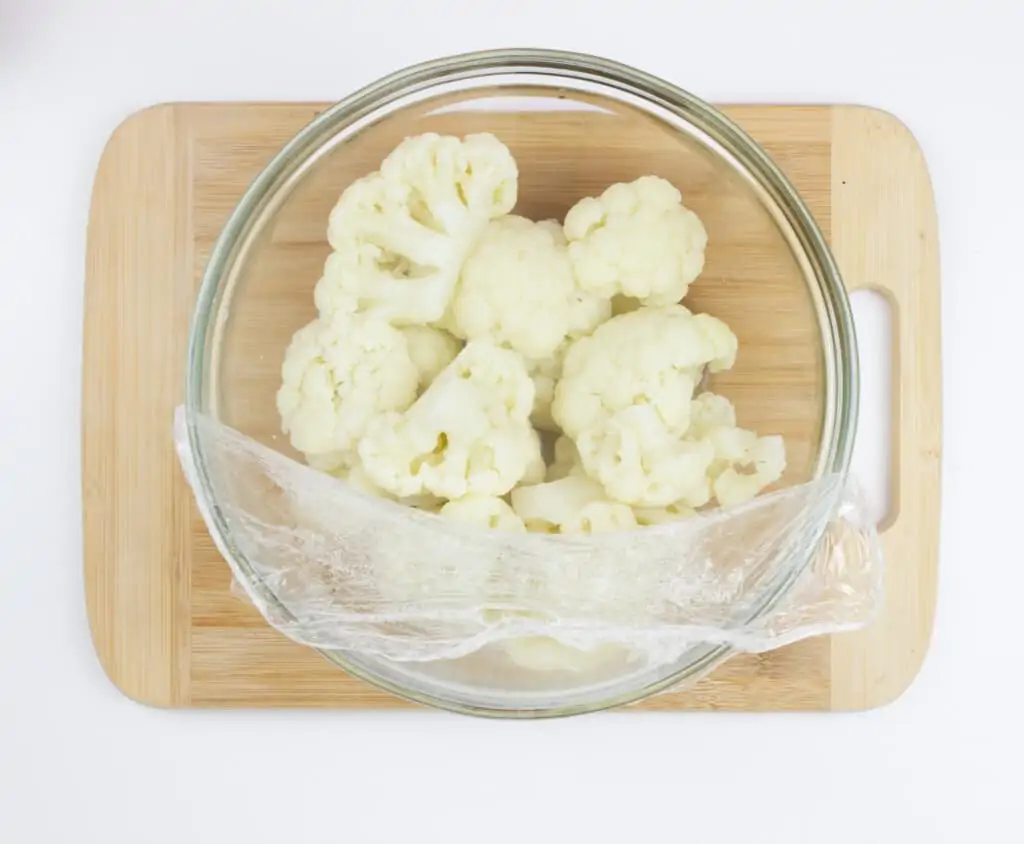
point(78, 762)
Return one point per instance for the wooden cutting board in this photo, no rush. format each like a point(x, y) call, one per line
point(168, 629)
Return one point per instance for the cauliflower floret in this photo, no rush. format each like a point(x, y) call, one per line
point(724, 344)
point(483, 380)
point(431, 350)
point(566, 462)
point(472, 178)
point(640, 462)
point(652, 356)
point(486, 510)
point(339, 375)
point(556, 503)
point(709, 412)
point(744, 464)
point(469, 433)
point(515, 288)
point(586, 313)
point(601, 517)
point(409, 457)
point(400, 235)
point(638, 240)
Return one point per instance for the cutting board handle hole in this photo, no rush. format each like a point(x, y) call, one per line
point(872, 454)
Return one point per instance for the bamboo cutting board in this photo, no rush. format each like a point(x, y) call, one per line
point(167, 627)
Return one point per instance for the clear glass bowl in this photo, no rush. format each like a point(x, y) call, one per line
point(575, 124)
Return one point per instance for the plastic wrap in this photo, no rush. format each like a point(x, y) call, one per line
point(334, 568)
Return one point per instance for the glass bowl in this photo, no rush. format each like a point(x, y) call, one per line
point(575, 124)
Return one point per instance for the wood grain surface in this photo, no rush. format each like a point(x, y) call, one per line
point(168, 629)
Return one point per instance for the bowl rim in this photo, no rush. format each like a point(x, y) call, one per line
point(838, 336)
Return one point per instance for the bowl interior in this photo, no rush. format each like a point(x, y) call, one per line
point(568, 144)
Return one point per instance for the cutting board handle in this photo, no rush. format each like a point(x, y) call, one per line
point(885, 239)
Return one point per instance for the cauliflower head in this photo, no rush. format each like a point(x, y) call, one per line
point(637, 240)
point(484, 510)
point(652, 356)
point(640, 462)
point(744, 464)
point(338, 377)
point(709, 412)
point(515, 288)
point(468, 434)
point(400, 235)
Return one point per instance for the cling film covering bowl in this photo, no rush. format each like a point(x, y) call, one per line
point(575, 124)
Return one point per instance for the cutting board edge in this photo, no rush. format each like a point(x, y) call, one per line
point(127, 159)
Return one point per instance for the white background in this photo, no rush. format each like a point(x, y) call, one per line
point(78, 762)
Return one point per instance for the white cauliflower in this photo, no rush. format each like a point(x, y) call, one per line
point(724, 344)
point(338, 377)
point(431, 350)
point(515, 288)
point(652, 356)
point(709, 412)
point(484, 510)
point(640, 462)
point(401, 234)
point(586, 313)
point(555, 503)
point(601, 517)
point(744, 464)
point(468, 434)
point(637, 240)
